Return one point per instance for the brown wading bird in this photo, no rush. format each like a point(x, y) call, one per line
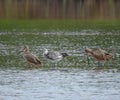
point(99, 54)
point(31, 58)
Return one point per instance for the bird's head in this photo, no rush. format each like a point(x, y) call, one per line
point(88, 50)
point(64, 54)
point(26, 48)
point(45, 51)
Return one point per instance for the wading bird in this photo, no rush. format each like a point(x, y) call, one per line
point(31, 58)
point(99, 54)
point(54, 56)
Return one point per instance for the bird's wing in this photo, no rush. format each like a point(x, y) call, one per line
point(103, 51)
point(107, 55)
point(54, 55)
point(102, 54)
point(36, 59)
point(100, 51)
point(32, 59)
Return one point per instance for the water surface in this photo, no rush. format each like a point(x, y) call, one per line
point(71, 78)
point(73, 43)
point(59, 84)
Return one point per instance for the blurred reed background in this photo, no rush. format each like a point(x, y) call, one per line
point(60, 9)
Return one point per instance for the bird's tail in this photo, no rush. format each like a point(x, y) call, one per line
point(64, 54)
point(109, 57)
point(38, 62)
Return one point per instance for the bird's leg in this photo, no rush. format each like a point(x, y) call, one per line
point(51, 65)
point(88, 60)
point(36, 66)
point(32, 66)
point(29, 65)
point(54, 65)
point(99, 64)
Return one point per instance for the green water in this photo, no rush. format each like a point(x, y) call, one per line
point(74, 43)
point(43, 25)
point(71, 75)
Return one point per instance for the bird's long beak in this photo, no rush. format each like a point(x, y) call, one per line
point(19, 51)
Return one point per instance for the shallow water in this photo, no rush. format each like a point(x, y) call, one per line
point(59, 84)
point(71, 79)
point(73, 43)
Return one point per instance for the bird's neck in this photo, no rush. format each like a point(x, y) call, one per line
point(89, 51)
point(45, 51)
point(26, 51)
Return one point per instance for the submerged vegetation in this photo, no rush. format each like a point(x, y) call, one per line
point(72, 36)
point(74, 45)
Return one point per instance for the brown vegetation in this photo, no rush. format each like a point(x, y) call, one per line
point(60, 9)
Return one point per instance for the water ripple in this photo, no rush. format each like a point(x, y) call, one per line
point(65, 84)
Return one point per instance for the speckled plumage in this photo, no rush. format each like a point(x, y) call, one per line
point(99, 54)
point(30, 58)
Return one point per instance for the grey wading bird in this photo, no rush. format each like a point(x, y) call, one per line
point(54, 56)
point(31, 58)
point(99, 54)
